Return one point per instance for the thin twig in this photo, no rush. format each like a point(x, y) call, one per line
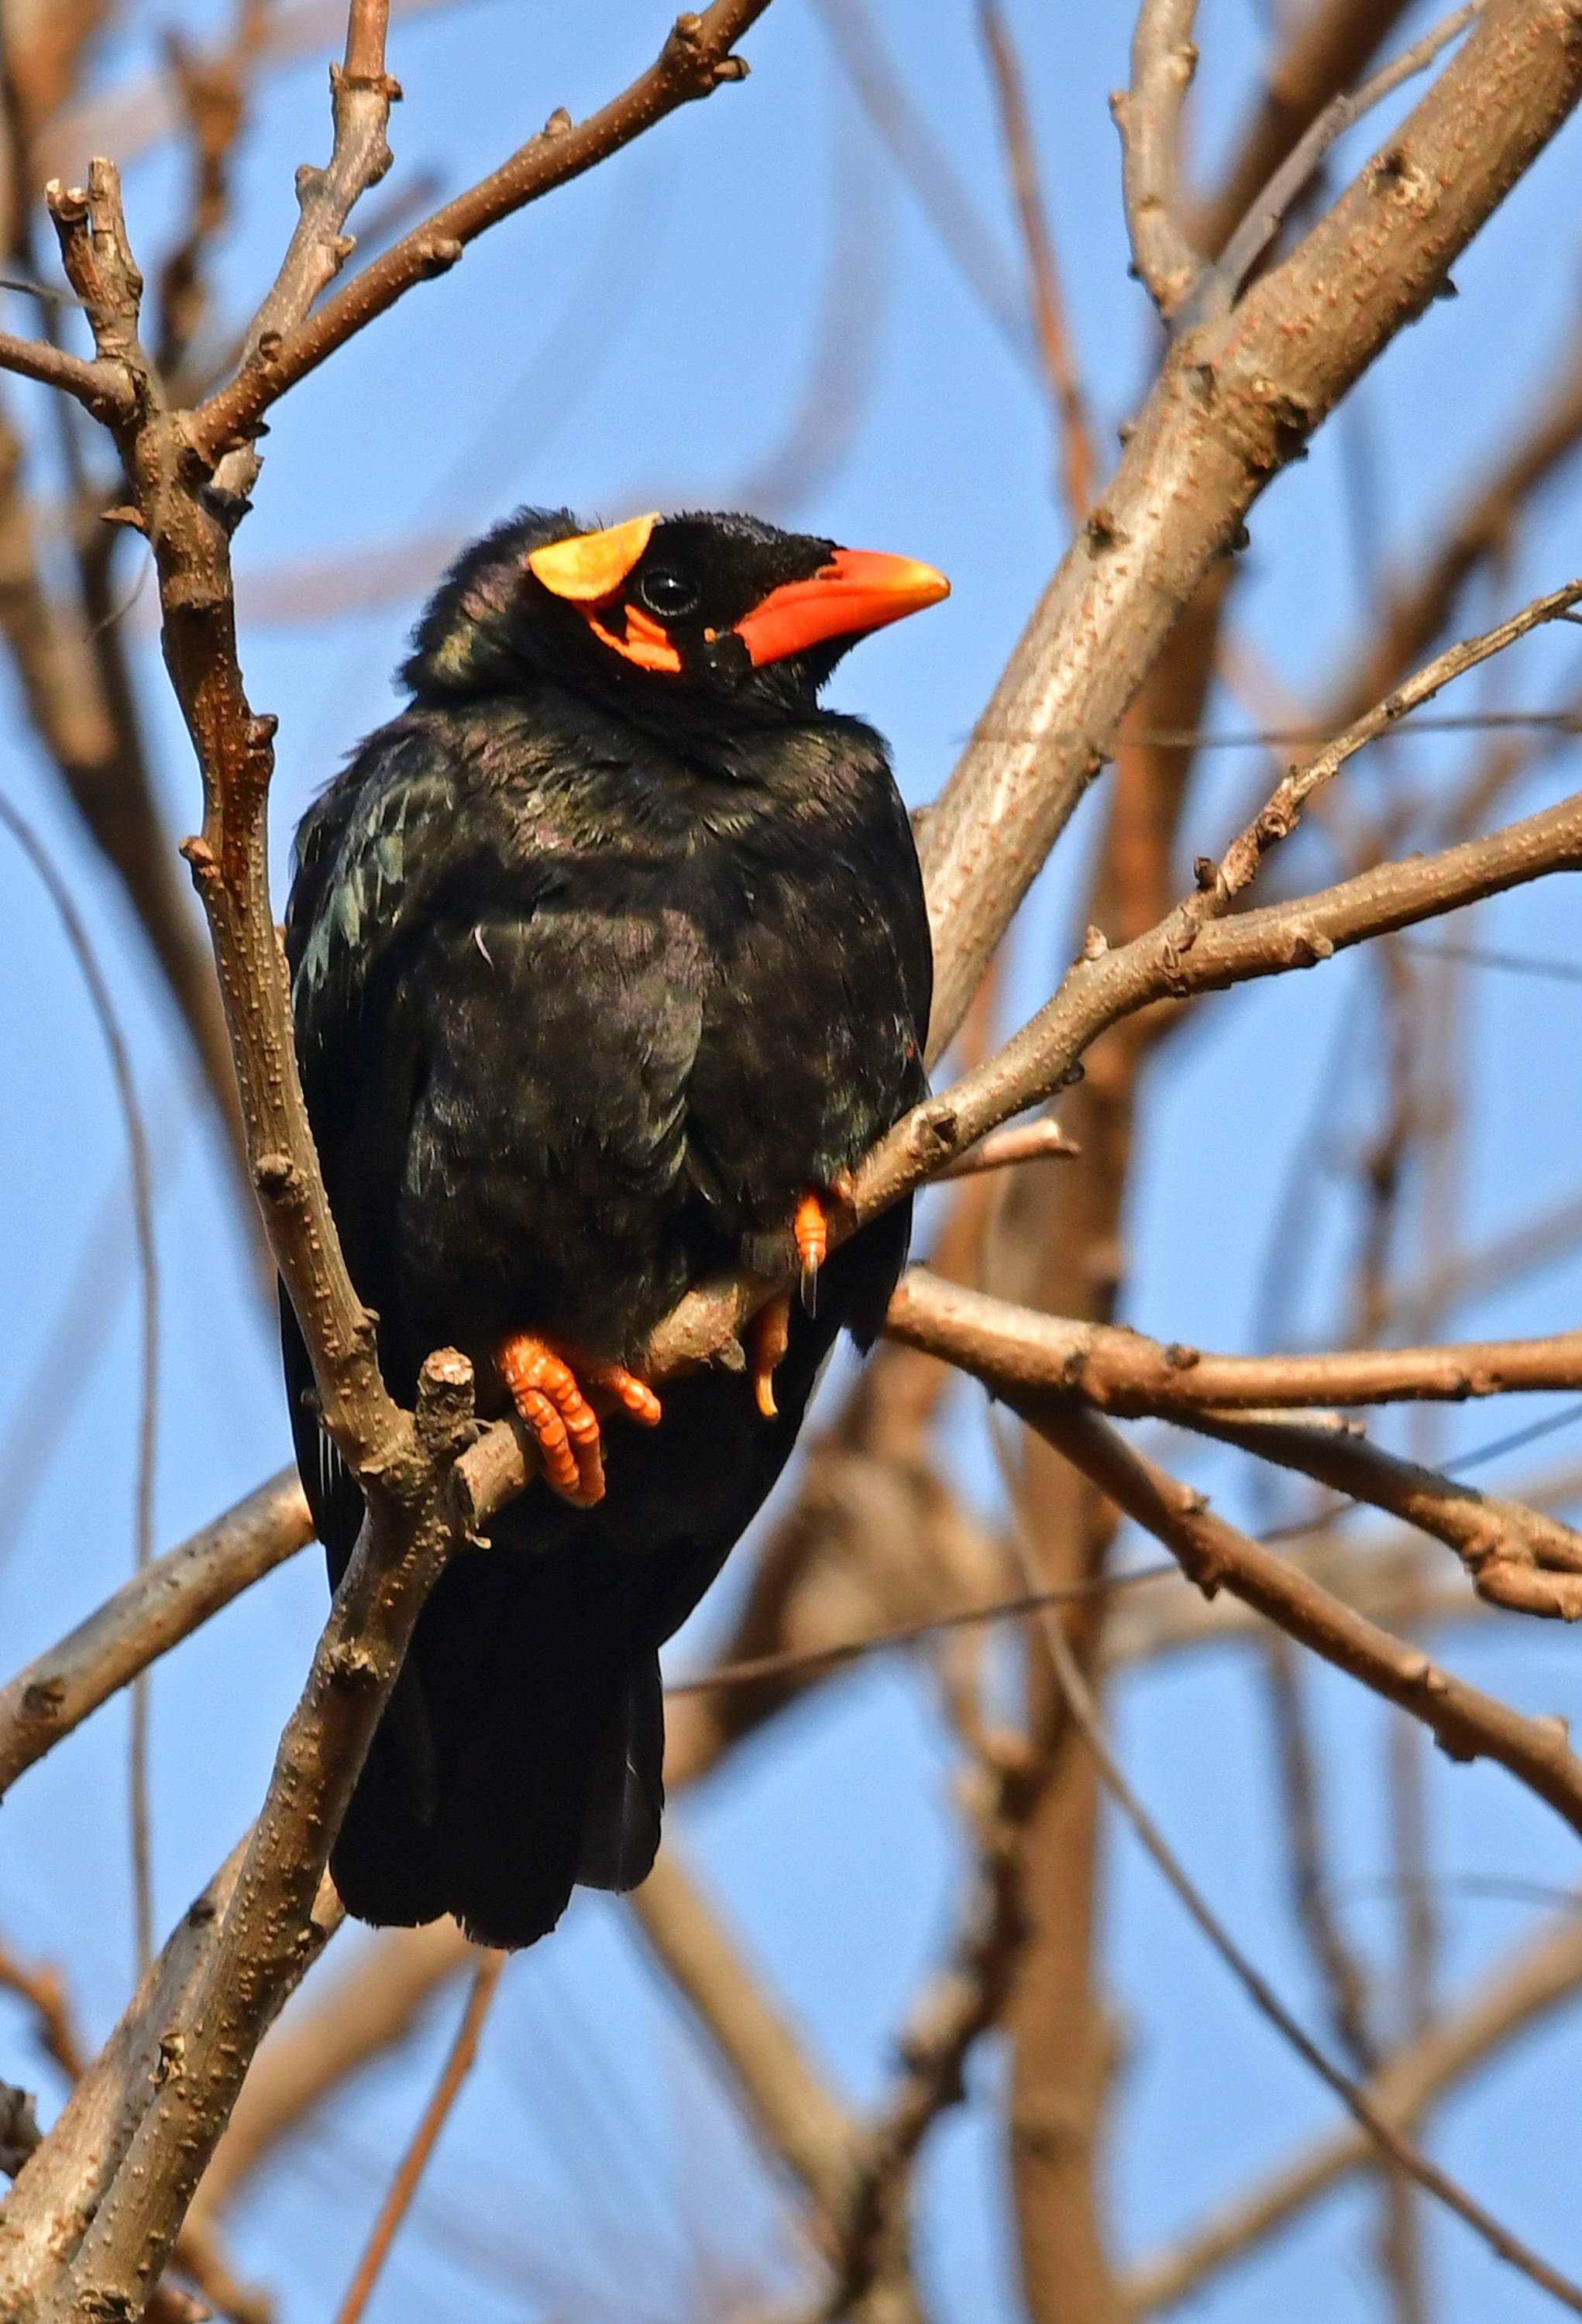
point(1356, 2100)
point(1078, 454)
point(801, 1659)
point(403, 2186)
point(1149, 117)
point(1326, 47)
point(1539, 1977)
point(1217, 289)
point(697, 58)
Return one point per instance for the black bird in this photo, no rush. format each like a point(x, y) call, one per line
point(609, 958)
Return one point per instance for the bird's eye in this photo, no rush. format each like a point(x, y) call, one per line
point(671, 596)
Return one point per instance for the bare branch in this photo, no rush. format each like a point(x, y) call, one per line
point(1237, 400)
point(1149, 118)
point(100, 387)
point(1104, 986)
point(1465, 1724)
point(1517, 1558)
point(1123, 1372)
point(362, 94)
point(458, 2066)
point(1356, 2100)
point(695, 60)
point(1531, 1982)
point(786, 2100)
point(160, 1607)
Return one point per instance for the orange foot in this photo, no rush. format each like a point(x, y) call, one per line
point(546, 1392)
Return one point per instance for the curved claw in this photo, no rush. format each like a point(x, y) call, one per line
point(771, 1335)
point(810, 1233)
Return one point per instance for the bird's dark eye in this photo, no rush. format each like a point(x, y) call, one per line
point(671, 596)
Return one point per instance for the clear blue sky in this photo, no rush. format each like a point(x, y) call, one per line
point(647, 336)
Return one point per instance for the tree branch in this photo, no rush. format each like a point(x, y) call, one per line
point(1465, 1724)
point(1516, 1557)
point(696, 59)
point(154, 1612)
point(1534, 1980)
point(1235, 401)
point(1125, 1373)
point(1148, 116)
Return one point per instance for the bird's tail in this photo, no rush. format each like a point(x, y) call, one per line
point(521, 1746)
point(520, 1752)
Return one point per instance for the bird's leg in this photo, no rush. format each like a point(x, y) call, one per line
point(770, 1333)
point(547, 1394)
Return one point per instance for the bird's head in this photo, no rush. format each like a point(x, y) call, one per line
point(661, 616)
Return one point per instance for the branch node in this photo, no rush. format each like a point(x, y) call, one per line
point(1104, 531)
point(444, 1414)
point(276, 1175)
point(437, 254)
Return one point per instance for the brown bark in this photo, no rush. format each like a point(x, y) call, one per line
point(1056, 1245)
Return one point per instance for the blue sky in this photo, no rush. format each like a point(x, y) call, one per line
point(647, 336)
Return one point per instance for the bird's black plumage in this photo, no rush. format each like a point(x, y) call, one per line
point(603, 952)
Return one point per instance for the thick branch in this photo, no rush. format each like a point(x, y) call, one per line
point(1125, 1372)
point(1237, 400)
point(1465, 1724)
point(153, 1612)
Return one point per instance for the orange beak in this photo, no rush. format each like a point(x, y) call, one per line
point(857, 591)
